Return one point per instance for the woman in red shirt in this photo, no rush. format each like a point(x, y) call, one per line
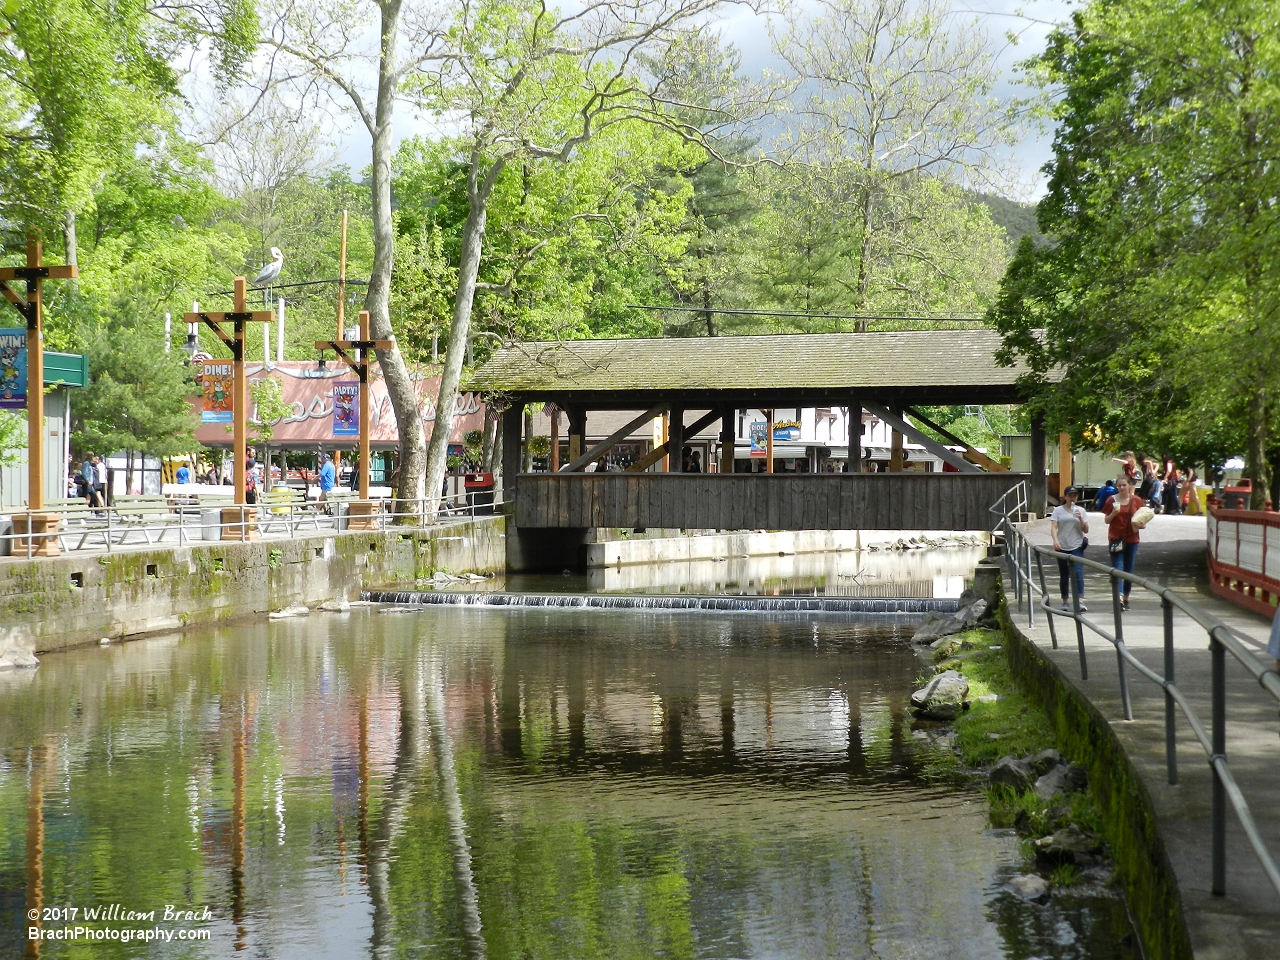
point(1118, 513)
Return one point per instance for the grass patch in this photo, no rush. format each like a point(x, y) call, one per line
point(1066, 875)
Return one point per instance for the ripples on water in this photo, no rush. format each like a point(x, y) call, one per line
point(513, 783)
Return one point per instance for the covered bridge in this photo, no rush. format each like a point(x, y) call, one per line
point(695, 382)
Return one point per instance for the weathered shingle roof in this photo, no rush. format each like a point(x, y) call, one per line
point(911, 361)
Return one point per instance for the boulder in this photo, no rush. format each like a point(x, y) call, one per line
point(1045, 760)
point(292, 610)
point(1011, 772)
point(17, 659)
point(1029, 887)
point(942, 698)
point(336, 605)
point(934, 626)
point(1052, 783)
point(972, 613)
point(1070, 844)
point(1077, 779)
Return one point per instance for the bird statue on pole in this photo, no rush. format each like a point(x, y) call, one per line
point(268, 274)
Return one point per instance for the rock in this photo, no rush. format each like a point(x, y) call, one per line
point(931, 627)
point(1077, 779)
point(1057, 816)
point(441, 577)
point(16, 659)
point(942, 697)
point(988, 698)
point(1052, 783)
point(104, 642)
point(1069, 844)
point(476, 578)
point(336, 605)
point(292, 610)
point(1028, 886)
point(1045, 760)
point(1011, 772)
point(973, 612)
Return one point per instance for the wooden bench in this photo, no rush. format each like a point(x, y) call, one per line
point(77, 518)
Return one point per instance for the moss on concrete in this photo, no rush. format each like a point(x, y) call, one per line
point(1126, 817)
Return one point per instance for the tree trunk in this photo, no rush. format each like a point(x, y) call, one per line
point(487, 444)
point(1257, 466)
point(69, 248)
point(404, 400)
point(478, 191)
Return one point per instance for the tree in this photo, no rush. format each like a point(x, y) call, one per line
point(269, 408)
point(892, 110)
point(13, 436)
point(138, 401)
point(1158, 298)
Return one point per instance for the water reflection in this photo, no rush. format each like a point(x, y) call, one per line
point(517, 783)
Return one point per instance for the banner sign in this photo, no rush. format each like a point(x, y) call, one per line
point(13, 369)
point(216, 379)
point(346, 414)
point(758, 430)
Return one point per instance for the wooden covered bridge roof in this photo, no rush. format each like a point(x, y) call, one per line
point(919, 366)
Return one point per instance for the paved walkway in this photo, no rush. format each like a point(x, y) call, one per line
point(1245, 924)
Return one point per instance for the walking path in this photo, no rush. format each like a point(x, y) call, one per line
point(1245, 924)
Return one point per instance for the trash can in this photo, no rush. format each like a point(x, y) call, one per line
point(339, 508)
point(479, 488)
point(6, 530)
point(211, 523)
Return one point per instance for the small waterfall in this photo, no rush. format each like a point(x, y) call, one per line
point(907, 605)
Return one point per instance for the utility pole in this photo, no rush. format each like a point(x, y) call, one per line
point(32, 309)
point(237, 318)
point(356, 354)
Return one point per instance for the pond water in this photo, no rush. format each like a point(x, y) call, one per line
point(509, 784)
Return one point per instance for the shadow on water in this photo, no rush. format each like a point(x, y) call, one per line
point(517, 783)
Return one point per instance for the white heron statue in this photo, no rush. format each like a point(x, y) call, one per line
point(267, 275)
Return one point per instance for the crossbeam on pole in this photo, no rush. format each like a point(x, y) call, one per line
point(657, 453)
point(970, 454)
point(933, 446)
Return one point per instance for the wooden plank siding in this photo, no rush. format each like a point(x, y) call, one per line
point(746, 501)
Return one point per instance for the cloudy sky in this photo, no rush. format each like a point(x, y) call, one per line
point(1027, 22)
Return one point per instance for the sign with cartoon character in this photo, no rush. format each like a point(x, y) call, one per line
point(346, 414)
point(216, 378)
point(13, 369)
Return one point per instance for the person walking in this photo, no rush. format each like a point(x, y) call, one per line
point(328, 478)
point(1068, 525)
point(100, 480)
point(1122, 532)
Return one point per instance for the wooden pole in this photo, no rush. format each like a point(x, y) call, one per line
point(768, 440)
point(1064, 464)
point(239, 395)
point(364, 466)
point(35, 380)
point(342, 278)
point(555, 439)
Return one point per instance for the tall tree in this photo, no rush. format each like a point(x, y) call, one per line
point(892, 109)
point(1159, 298)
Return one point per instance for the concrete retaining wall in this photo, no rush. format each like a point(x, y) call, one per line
point(56, 603)
point(612, 553)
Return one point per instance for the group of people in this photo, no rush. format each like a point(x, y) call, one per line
point(1123, 514)
point(1163, 486)
point(90, 481)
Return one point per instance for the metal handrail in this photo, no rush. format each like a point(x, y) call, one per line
point(84, 528)
point(1222, 638)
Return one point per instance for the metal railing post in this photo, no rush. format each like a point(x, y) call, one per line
point(1044, 590)
point(1075, 605)
point(1218, 657)
point(1124, 680)
point(1031, 591)
point(1170, 727)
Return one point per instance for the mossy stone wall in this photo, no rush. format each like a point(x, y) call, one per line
point(1085, 737)
point(60, 602)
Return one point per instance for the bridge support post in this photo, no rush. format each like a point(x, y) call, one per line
point(577, 432)
point(854, 424)
point(895, 451)
point(727, 436)
point(675, 441)
point(512, 435)
point(1038, 486)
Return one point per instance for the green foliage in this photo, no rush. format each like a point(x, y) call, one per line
point(1158, 297)
point(139, 398)
point(269, 407)
point(13, 436)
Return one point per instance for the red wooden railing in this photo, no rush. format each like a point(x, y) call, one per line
point(1244, 556)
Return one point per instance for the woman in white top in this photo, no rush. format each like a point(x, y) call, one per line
point(1069, 523)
